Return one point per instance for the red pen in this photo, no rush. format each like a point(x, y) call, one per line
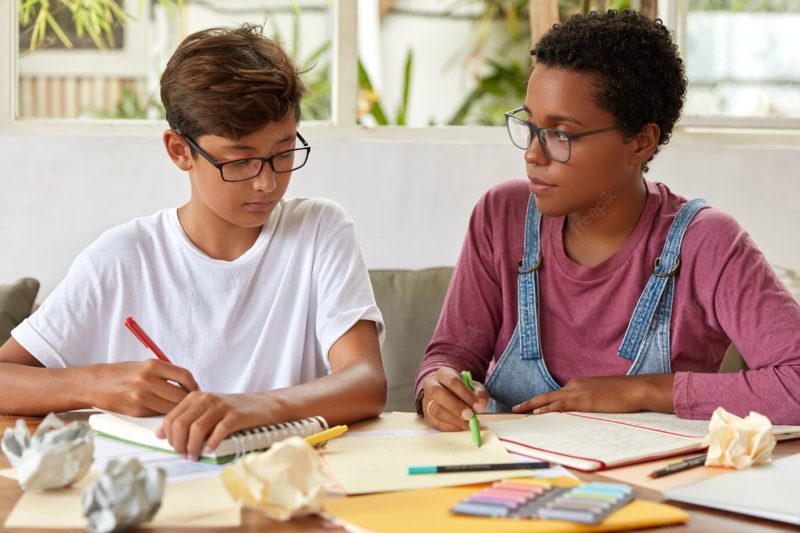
point(131, 324)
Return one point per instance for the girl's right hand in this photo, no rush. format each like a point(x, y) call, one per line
point(448, 404)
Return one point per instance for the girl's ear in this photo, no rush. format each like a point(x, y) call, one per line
point(644, 144)
point(178, 150)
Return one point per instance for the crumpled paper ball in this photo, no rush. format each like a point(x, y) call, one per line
point(56, 456)
point(738, 442)
point(286, 481)
point(126, 494)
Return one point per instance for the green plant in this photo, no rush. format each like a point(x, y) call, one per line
point(501, 82)
point(370, 102)
point(779, 6)
point(502, 87)
point(130, 106)
point(94, 18)
point(316, 104)
point(495, 94)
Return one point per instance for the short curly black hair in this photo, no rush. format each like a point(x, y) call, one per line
point(640, 76)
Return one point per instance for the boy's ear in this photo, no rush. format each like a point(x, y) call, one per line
point(644, 144)
point(178, 150)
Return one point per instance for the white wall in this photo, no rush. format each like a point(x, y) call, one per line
point(410, 199)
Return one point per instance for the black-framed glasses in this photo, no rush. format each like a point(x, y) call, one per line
point(249, 168)
point(556, 144)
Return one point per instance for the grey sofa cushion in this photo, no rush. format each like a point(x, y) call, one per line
point(16, 303)
point(410, 301)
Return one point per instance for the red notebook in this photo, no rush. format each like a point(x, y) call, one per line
point(598, 441)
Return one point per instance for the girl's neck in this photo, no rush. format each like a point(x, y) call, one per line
point(593, 235)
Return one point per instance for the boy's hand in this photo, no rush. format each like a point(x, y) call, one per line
point(610, 394)
point(203, 420)
point(139, 388)
point(448, 403)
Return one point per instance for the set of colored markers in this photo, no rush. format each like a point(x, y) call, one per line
point(519, 498)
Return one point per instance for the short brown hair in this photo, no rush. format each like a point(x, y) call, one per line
point(229, 82)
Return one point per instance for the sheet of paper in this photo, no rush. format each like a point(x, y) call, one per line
point(178, 469)
point(403, 424)
point(767, 491)
point(199, 503)
point(638, 474)
point(376, 464)
point(395, 420)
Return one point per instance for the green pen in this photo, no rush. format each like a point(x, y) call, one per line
point(474, 426)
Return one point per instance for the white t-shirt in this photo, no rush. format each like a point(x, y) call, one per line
point(263, 321)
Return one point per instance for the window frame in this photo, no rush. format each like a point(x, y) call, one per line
point(344, 99)
point(674, 13)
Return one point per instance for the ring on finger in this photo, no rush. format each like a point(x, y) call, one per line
point(428, 409)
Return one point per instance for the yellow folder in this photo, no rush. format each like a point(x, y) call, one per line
point(429, 510)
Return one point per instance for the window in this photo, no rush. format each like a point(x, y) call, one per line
point(442, 63)
point(433, 62)
point(64, 76)
point(742, 60)
point(415, 63)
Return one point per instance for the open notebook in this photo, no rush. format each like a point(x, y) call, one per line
point(141, 432)
point(597, 441)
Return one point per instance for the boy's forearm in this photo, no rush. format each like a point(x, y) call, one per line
point(343, 397)
point(35, 391)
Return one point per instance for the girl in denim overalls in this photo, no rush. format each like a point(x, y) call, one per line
point(603, 97)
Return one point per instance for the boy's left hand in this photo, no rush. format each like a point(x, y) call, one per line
point(202, 420)
point(611, 394)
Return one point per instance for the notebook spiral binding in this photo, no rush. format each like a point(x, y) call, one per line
point(261, 438)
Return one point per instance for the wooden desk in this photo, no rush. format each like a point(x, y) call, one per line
point(702, 519)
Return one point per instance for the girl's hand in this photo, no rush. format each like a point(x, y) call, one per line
point(448, 404)
point(611, 394)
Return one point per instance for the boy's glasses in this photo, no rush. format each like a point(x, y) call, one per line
point(249, 168)
point(556, 144)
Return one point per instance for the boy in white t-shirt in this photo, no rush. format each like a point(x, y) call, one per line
point(262, 305)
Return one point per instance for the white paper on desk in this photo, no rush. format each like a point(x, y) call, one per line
point(178, 469)
point(767, 491)
point(374, 464)
point(199, 503)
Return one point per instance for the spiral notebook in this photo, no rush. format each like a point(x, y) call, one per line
point(141, 432)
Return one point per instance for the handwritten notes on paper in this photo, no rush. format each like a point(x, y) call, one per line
point(588, 443)
point(376, 464)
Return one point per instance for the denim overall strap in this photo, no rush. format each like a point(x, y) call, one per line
point(527, 286)
point(521, 372)
point(661, 284)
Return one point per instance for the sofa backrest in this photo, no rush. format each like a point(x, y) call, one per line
point(410, 301)
point(16, 302)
